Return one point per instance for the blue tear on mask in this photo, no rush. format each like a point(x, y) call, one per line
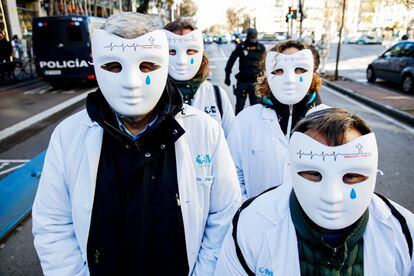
point(301, 79)
point(148, 80)
point(353, 194)
point(192, 61)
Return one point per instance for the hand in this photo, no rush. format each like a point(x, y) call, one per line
point(227, 81)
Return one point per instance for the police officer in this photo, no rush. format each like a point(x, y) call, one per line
point(249, 53)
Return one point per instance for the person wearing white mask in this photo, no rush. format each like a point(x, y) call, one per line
point(288, 88)
point(189, 70)
point(138, 183)
point(325, 219)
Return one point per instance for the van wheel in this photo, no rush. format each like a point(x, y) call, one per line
point(371, 77)
point(407, 84)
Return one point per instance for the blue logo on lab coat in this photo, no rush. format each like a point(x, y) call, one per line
point(203, 160)
point(265, 271)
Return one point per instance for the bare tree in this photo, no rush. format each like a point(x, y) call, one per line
point(188, 8)
point(232, 19)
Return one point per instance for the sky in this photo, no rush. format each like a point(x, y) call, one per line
point(211, 12)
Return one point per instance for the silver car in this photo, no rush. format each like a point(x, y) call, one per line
point(396, 65)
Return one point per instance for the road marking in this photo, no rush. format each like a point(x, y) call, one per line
point(39, 90)
point(14, 160)
point(222, 53)
point(12, 169)
point(4, 165)
point(7, 132)
point(216, 59)
point(382, 115)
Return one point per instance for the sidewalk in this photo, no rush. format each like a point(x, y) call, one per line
point(394, 104)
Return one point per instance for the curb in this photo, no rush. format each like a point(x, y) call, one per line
point(20, 132)
point(19, 84)
point(393, 112)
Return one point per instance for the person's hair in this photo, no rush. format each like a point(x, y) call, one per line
point(332, 123)
point(130, 24)
point(178, 26)
point(262, 86)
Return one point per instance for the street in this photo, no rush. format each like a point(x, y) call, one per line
point(395, 140)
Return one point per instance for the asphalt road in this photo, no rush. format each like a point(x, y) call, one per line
point(396, 154)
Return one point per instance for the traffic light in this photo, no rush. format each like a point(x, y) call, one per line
point(294, 14)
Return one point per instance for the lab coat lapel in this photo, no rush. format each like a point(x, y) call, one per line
point(272, 123)
point(378, 238)
point(188, 197)
point(93, 151)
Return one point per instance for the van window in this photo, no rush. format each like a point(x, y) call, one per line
point(74, 33)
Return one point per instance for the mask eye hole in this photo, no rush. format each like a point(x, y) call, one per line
point(146, 67)
point(191, 52)
point(173, 52)
point(114, 67)
point(313, 176)
point(300, 70)
point(353, 178)
point(278, 72)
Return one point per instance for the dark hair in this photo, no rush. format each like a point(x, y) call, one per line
point(332, 123)
point(178, 26)
point(262, 87)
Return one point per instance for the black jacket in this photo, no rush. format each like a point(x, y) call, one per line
point(136, 222)
point(249, 55)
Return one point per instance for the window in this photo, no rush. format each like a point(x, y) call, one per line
point(394, 51)
point(74, 33)
point(407, 50)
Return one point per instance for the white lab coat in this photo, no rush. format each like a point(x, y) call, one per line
point(205, 100)
point(207, 182)
point(259, 149)
point(267, 238)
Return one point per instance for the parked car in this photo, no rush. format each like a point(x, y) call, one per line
point(350, 39)
point(208, 39)
point(396, 65)
point(220, 39)
point(367, 39)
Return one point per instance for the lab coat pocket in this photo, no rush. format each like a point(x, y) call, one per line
point(203, 188)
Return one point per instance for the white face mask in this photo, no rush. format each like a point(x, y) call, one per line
point(341, 195)
point(289, 76)
point(137, 87)
point(186, 54)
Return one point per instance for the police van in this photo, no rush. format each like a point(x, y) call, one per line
point(62, 48)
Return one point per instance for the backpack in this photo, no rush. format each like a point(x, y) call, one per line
point(401, 219)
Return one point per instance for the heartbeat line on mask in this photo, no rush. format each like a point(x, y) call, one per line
point(335, 155)
point(134, 45)
point(176, 39)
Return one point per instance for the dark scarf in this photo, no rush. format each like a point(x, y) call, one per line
point(100, 111)
point(310, 100)
point(187, 88)
point(337, 253)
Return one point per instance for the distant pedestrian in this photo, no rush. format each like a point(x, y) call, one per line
point(17, 48)
point(323, 50)
point(248, 52)
point(5, 49)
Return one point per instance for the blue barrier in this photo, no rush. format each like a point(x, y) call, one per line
point(17, 192)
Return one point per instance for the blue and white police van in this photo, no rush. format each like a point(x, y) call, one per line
point(62, 48)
